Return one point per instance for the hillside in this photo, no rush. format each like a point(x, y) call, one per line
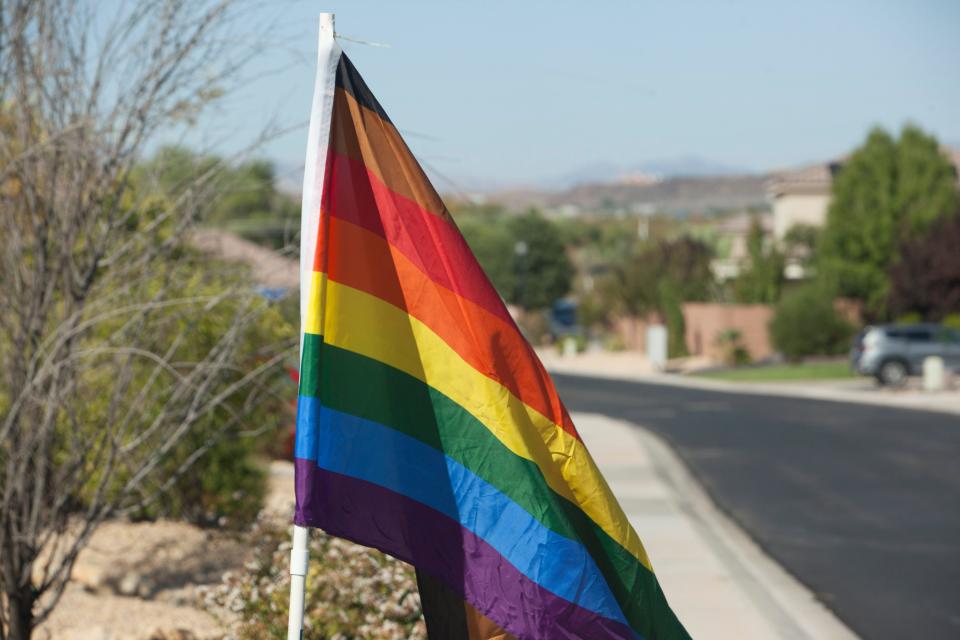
point(676, 195)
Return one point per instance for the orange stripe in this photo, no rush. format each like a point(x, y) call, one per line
point(490, 345)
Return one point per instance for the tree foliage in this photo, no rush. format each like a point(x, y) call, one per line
point(763, 278)
point(926, 278)
point(887, 191)
point(523, 255)
point(660, 278)
point(247, 201)
point(544, 271)
point(805, 323)
point(801, 243)
point(122, 359)
point(682, 266)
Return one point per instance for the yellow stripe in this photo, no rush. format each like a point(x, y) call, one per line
point(312, 323)
point(365, 324)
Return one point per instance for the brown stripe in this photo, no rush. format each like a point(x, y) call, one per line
point(364, 136)
point(349, 78)
point(480, 627)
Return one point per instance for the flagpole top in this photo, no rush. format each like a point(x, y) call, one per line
point(326, 23)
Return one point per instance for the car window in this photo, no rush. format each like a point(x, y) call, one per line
point(918, 335)
point(948, 336)
point(898, 334)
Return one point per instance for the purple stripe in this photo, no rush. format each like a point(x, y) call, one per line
point(406, 529)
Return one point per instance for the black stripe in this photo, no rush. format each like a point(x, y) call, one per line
point(443, 609)
point(348, 79)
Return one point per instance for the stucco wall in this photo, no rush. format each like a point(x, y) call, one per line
point(706, 321)
point(793, 209)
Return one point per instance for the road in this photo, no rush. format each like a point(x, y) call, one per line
point(861, 503)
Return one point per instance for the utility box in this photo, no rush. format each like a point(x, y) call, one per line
point(657, 346)
point(933, 373)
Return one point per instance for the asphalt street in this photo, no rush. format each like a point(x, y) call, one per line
point(861, 503)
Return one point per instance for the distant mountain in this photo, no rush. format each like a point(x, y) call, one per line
point(661, 168)
point(677, 196)
point(644, 194)
point(688, 166)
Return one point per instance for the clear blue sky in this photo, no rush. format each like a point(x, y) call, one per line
point(521, 91)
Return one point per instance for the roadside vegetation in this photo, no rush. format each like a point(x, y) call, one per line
point(352, 591)
point(804, 371)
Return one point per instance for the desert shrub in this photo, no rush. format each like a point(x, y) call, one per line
point(352, 592)
point(734, 353)
point(909, 318)
point(212, 476)
point(952, 320)
point(535, 326)
point(805, 323)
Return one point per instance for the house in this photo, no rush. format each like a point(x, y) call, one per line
point(802, 195)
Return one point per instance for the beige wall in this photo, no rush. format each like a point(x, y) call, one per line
point(706, 321)
point(792, 209)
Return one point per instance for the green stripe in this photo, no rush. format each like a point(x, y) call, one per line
point(310, 364)
point(375, 391)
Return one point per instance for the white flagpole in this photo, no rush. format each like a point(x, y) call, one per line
point(328, 56)
point(299, 559)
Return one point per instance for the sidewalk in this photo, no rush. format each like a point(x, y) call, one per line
point(634, 366)
point(717, 580)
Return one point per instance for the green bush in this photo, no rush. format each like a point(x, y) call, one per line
point(805, 323)
point(952, 320)
point(352, 591)
point(735, 354)
point(213, 475)
point(909, 318)
point(673, 317)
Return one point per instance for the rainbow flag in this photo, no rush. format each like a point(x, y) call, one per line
point(426, 425)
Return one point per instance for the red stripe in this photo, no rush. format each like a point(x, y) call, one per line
point(435, 245)
point(488, 343)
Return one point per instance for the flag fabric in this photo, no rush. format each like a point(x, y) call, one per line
point(426, 425)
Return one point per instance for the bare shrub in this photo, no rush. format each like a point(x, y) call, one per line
point(102, 378)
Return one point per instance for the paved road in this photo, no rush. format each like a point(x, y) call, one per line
point(861, 503)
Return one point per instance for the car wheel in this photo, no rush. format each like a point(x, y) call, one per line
point(893, 373)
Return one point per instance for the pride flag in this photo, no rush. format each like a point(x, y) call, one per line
point(426, 425)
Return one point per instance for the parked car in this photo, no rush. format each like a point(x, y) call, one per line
point(893, 352)
point(563, 320)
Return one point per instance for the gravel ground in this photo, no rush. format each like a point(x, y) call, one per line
point(139, 581)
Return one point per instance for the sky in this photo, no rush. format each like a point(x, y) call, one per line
point(498, 93)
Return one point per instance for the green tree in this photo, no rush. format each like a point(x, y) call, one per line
point(889, 190)
point(523, 255)
point(636, 285)
point(659, 278)
point(489, 238)
point(543, 270)
point(245, 199)
point(763, 278)
point(800, 243)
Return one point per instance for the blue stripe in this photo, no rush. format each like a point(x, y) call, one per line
point(307, 445)
point(370, 451)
